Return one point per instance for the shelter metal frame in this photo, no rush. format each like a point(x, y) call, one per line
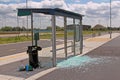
point(55, 12)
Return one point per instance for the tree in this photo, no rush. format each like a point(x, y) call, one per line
point(23, 29)
point(57, 28)
point(16, 29)
point(6, 28)
point(49, 28)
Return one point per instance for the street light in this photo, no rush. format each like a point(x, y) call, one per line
point(110, 22)
point(26, 3)
point(27, 17)
point(17, 19)
point(1, 21)
point(5, 20)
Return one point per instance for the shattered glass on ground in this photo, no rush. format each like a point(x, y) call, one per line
point(81, 61)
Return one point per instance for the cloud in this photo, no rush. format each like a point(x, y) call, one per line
point(98, 11)
point(54, 4)
point(8, 10)
point(9, 0)
point(92, 11)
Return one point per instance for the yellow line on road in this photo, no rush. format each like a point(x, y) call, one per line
point(12, 56)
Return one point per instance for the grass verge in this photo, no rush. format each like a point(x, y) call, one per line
point(59, 34)
point(14, 39)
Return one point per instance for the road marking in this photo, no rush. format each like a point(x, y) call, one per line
point(12, 56)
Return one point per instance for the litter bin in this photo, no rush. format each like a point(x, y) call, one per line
point(33, 55)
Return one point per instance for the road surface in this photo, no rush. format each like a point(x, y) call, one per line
point(14, 48)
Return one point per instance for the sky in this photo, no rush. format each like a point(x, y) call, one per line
point(95, 11)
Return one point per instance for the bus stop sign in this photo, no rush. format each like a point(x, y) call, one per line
point(36, 36)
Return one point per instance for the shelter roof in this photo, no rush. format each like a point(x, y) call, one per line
point(49, 11)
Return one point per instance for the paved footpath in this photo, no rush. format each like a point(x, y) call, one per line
point(105, 67)
point(104, 63)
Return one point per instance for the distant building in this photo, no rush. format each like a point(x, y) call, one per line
point(85, 27)
point(99, 27)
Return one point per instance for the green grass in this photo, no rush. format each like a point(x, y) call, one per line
point(14, 39)
point(46, 36)
point(42, 36)
point(91, 32)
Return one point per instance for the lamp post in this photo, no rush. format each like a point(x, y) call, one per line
point(27, 17)
point(1, 21)
point(26, 3)
point(5, 20)
point(110, 22)
point(17, 19)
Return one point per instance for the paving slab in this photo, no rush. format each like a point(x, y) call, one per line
point(12, 69)
point(105, 67)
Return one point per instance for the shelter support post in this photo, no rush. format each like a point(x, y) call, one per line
point(54, 40)
point(32, 27)
point(65, 37)
point(74, 36)
point(81, 37)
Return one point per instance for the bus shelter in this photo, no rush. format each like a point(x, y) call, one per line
point(57, 12)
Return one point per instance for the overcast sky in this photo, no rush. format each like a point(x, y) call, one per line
point(95, 11)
